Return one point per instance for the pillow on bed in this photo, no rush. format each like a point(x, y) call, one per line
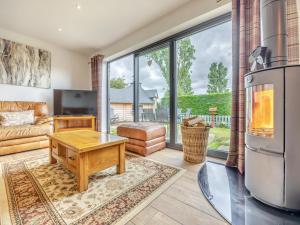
point(16, 118)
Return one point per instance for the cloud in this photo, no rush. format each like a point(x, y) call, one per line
point(122, 68)
point(212, 45)
point(151, 77)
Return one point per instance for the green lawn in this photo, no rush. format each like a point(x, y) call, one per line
point(219, 138)
point(113, 130)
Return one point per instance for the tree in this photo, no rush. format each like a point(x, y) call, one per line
point(185, 57)
point(118, 83)
point(217, 78)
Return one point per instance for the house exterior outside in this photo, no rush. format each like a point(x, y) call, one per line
point(121, 102)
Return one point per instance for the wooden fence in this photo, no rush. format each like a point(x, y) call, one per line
point(219, 120)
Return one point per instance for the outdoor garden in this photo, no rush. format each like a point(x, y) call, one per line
point(200, 105)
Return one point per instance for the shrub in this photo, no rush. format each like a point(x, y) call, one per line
point(200, 104)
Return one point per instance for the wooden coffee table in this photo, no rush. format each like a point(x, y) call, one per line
point(86, 152)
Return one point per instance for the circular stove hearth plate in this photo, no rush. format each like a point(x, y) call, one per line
point(224, 188)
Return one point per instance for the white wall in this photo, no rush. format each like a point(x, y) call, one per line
point(189, 15)
point(69, 70)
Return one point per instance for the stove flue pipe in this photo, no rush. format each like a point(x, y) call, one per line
point(274, 32)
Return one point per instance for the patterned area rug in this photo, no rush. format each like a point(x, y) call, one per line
point(40, 193)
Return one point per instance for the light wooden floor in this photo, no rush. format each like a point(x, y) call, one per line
point(182, 203)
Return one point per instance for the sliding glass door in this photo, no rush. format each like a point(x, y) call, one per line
point(120, 92)
point(183, 76)
point(204, 82)
point(154, 87)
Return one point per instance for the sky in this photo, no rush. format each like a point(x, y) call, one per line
point(212, 45)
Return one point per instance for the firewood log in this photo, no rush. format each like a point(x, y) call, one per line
point(193, 121)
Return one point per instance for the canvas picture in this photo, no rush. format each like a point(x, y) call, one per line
point(24, 65)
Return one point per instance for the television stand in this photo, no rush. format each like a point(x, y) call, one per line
point(69, 123)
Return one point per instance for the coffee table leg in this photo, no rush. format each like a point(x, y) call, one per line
point(83, 178)
point(52, 160)
point(82, 183)
point(121, 165)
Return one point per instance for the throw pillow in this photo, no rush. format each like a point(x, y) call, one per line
point(41, 109)
point(16, 118)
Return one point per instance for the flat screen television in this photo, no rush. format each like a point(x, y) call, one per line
point(75, 102)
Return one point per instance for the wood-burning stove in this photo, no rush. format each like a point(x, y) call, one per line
point(272, 165)
point(272, 159)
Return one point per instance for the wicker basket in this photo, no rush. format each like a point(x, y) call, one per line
point(194, 141)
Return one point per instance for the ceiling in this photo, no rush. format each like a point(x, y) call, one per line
point(97, 24)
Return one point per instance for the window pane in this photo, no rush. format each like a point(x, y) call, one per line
point(121, 92)
point(154, 88)
point(204, 82)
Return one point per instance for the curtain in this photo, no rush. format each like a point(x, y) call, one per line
point(245, 38)
point(96, 71)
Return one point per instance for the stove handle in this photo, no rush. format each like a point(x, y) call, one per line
point(252, 149)
point(270, 152)
point(266, 151)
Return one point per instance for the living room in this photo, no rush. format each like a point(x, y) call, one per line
point(149, 112)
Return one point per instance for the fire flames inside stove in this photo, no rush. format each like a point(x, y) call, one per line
point(261, 110)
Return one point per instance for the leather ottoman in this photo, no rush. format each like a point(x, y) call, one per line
point(143, 138)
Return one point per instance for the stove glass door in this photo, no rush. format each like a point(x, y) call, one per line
point(260, 110)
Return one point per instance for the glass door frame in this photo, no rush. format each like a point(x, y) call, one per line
point(171, 43)
point(137, 71)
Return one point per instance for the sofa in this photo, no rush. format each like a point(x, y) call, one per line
point(19, 138)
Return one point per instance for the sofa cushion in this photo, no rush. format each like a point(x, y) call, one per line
point(141, 131)
point(25, 140)
point(40, 108)
point(23, 147)
point(43, 119)
point(22, 131)
point(16, 118)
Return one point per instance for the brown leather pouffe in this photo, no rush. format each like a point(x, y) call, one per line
point(143, 138)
